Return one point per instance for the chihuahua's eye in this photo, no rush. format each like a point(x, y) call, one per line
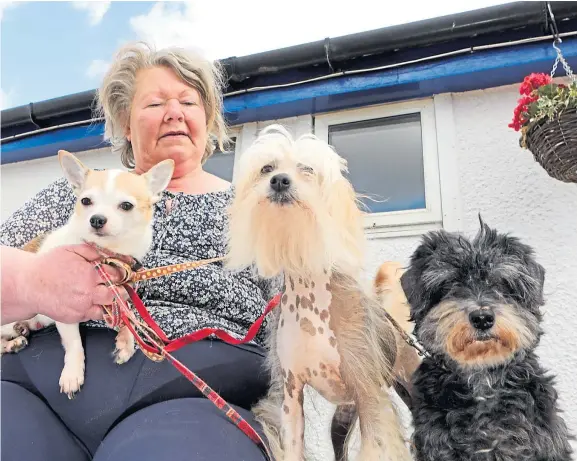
point(266, 169)
point(126, 206)
point(86, 201)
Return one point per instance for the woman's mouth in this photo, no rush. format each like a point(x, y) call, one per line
point(174, 134)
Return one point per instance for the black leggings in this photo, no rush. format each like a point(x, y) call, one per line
point(137, 411)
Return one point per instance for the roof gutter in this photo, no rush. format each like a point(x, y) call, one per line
point(426, 32)
point(499, 18)
point(64, 108)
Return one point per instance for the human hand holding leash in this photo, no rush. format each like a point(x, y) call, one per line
point(80, 293)
point(61, 284)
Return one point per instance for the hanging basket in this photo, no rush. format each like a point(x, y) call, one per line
point(546, 115)
point(553, 144)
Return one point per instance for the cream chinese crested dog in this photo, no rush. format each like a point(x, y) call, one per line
point(295, 214)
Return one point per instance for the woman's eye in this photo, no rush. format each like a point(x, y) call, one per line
point(266, 169)
point(155, 102)
point(189, 103)
point(126, 206)
point(86, 201)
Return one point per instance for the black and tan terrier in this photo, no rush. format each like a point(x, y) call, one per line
point(482, 395)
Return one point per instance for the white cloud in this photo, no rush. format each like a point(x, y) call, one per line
point(171, 24)
point(97, 69)
point(96, 10)
point(224, 28)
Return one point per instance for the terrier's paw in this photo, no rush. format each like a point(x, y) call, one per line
point(71, 379)
point(125, 347)
point(12, 346)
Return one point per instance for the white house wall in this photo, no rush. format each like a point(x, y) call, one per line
point(482, 169)
point(20, 181)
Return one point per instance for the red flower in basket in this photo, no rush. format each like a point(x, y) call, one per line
point(534, 81)
point(520, 113)
point(534, 87)
point(542, 100)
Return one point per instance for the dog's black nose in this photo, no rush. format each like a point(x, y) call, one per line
point(280, 182)
point(482, 319)
point(97, 221)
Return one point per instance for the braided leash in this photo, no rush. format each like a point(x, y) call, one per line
point(164, 270)
point(159, 346)
point(410, 341)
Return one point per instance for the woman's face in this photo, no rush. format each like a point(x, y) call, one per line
point(167, 120)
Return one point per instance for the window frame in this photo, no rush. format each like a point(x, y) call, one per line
point(245, 135)
point(235, 132)
point(403, 222)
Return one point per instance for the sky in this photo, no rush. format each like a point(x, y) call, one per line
point(50, 49)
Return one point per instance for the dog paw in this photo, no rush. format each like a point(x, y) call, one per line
point(71, 380)
point(123, 355)
point(22, 329)
point(125, 347)
point(15, 345)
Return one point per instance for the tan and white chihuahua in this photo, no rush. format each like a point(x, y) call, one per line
point(114, 209)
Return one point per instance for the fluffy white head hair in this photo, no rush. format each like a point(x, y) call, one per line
point(317, 226)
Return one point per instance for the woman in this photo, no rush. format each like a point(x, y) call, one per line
point(156, 105)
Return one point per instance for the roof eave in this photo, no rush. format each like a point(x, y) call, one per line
point(426, 33)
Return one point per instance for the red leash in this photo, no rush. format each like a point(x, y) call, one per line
point(200, 334)
point(160, 346)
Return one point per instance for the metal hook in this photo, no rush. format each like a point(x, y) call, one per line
point(553, 26)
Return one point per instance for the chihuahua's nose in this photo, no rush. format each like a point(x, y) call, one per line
point(482, 319)
point(97, 221)
point(280, 182)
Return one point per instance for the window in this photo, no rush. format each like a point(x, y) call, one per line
point(388, 160)
point(391, 151)
point(221, 163)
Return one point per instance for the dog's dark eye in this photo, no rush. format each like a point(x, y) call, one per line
point(86, 201)
point(126, 206)
point(306, 168)
point(266, 169)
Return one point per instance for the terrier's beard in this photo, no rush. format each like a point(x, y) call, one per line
point(447, 329)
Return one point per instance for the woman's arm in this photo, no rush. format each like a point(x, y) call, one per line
point(43, 284)
point(14, 264)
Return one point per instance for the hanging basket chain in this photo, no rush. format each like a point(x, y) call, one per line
point(561, 59)
point(556, 42)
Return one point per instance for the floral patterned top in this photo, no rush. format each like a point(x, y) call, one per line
point(192, 228)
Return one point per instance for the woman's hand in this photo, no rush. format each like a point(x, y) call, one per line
point(61, 284)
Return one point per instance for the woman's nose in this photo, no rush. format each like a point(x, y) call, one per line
point(173, 111)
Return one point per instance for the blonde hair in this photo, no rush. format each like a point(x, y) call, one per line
point(114, 97)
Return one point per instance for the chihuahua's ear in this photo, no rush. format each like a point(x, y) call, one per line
point(74, 170)
point(159, 176)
